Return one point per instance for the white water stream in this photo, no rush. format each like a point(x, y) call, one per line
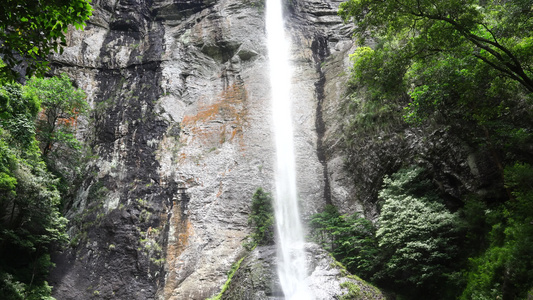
point(291, 256)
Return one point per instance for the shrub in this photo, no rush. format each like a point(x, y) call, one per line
point(350, 238)
point(417, 235)
point(262, 220)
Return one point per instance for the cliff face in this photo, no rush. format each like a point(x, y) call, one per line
point(181, 139)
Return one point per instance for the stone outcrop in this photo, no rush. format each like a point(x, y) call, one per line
point(181, 139)
point(256, 278)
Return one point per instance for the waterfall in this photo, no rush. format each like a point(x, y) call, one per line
point(291, 256)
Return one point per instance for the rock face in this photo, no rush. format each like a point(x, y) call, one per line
point(181, 139)
point(256, 278)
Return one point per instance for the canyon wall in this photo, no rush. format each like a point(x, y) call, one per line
point(181, 138)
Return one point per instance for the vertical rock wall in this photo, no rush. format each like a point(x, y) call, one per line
point(181, 139)
point(117, 221)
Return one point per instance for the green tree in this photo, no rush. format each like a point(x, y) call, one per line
point(350, 238)
point(505, 269)
point(18, 113)
point(464, 68)
point(417, 235)
point(465, 62)
point(498, 33)
point(261, 219)
point(31, 29)
point(62, 104)
point(30, 222)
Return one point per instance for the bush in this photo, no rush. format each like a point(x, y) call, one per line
point(505, 269)
point(262, 220)
point(417, 235)
point(350, 238)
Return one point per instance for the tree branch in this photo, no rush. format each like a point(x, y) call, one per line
point(511, 74)
point(512, 63)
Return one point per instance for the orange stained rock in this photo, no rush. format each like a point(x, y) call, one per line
point(222, 120)
point(177, 244)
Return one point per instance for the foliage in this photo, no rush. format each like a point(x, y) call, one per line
point(30, 221)
point(31, 29)
point(375, 106)
point(350, 238)
point(262, 220)
point(370, 64)
point(497, 33)
point(505, 269)
point(415, 250)
point(417, 235)
point(414, 247)
point(464, 69)
point(62, 105)
point(18, 112)
point(451, 62)
point(354, 291)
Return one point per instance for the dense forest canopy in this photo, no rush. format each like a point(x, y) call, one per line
point(457, 73)
point(474, 55)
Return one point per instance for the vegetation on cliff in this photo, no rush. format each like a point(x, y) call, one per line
point(31, 224)
point(261, 219)
point(440, 101)
point(37, 141)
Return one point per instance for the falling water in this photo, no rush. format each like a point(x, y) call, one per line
point(291, 256)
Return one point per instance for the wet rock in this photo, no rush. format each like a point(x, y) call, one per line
point(256, 277)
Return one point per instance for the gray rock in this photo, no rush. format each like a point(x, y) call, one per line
point(256, 278)
point(182, 139)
